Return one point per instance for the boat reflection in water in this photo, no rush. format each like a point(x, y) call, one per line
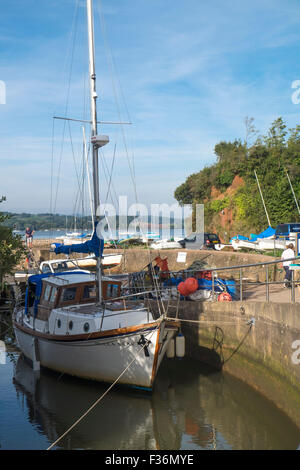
point(188, 409)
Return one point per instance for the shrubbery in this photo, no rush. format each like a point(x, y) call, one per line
point(271, 156)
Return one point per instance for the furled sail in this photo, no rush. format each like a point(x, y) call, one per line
point(94, 245)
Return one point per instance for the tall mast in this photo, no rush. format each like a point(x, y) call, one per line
point(97, 140)
point(93, 96)
point(262, 198)
point(88, 176)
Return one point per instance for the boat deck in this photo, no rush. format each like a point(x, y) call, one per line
point(94, 309)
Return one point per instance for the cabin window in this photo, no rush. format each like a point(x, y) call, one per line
point(112, 290)
point(68, 294)
point(60, 267)
point(47, 293)
point(89, 292)
point(53, 294)
point(46, 269)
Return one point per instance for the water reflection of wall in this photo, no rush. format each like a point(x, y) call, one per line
point(227, 410)
point(189, 409)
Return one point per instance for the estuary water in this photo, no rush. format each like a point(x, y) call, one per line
point(191, 408)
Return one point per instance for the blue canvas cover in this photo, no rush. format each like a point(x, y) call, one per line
point(219, 285)
point(269, 232)
point(94, 245)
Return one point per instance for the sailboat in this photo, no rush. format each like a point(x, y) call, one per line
point(78, 323)
point(264, 240)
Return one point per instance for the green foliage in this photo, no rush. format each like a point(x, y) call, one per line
point(217, 205)
point(11, 248)
point(271, 156)
point(224, 179)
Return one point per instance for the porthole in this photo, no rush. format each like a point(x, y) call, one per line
point(70, 325)
point(58, 323)
point(86, 327)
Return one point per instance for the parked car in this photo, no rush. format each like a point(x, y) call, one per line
point(284, 230)
point(199, 241)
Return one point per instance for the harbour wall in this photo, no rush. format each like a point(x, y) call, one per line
point(257, 342)
point(135, 259)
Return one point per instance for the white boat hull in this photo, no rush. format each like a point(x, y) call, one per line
point(165, 244)
point(269, 244)
point(111, 259)
point(260, 244)
point(102, 359)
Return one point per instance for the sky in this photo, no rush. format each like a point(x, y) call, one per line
point(185, 74)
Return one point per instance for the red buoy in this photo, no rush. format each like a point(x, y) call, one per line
point(191, 284)
point(182, 289)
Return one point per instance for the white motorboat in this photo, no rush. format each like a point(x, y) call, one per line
point(272, 243)
point(163, 244)
point(260, 244)
point(109, 260)
point(238, 244)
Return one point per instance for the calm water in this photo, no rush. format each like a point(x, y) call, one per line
point(190, 408)
point(51, 234)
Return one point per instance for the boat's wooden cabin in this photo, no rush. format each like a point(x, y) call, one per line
point(59, 292)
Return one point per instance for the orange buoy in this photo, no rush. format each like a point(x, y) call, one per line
point(182, 289)
point(191, 284)
point(224, 297)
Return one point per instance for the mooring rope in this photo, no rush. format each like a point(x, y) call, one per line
point(251, 323)
point(105, 393)
point(199, 322)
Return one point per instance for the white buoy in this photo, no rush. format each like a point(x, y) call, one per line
point(171, 349)
point(180, 345)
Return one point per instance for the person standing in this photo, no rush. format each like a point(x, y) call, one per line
point(29, 236)
point(287, 254)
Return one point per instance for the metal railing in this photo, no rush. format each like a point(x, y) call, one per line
point(241, 282)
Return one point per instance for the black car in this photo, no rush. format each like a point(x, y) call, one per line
point(199, 241)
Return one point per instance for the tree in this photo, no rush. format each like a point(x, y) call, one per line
point(250, 130)
point(271, 156)
point(11, 248)
point(277, 134)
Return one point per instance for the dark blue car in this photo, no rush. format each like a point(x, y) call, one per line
point(284, 230)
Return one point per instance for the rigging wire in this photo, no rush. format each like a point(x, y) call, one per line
point(111, 65)
point(110, 60)
point(51, 175)
point(111, 173)
point(106, 175)
point(109, 55)
point(72, 39)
